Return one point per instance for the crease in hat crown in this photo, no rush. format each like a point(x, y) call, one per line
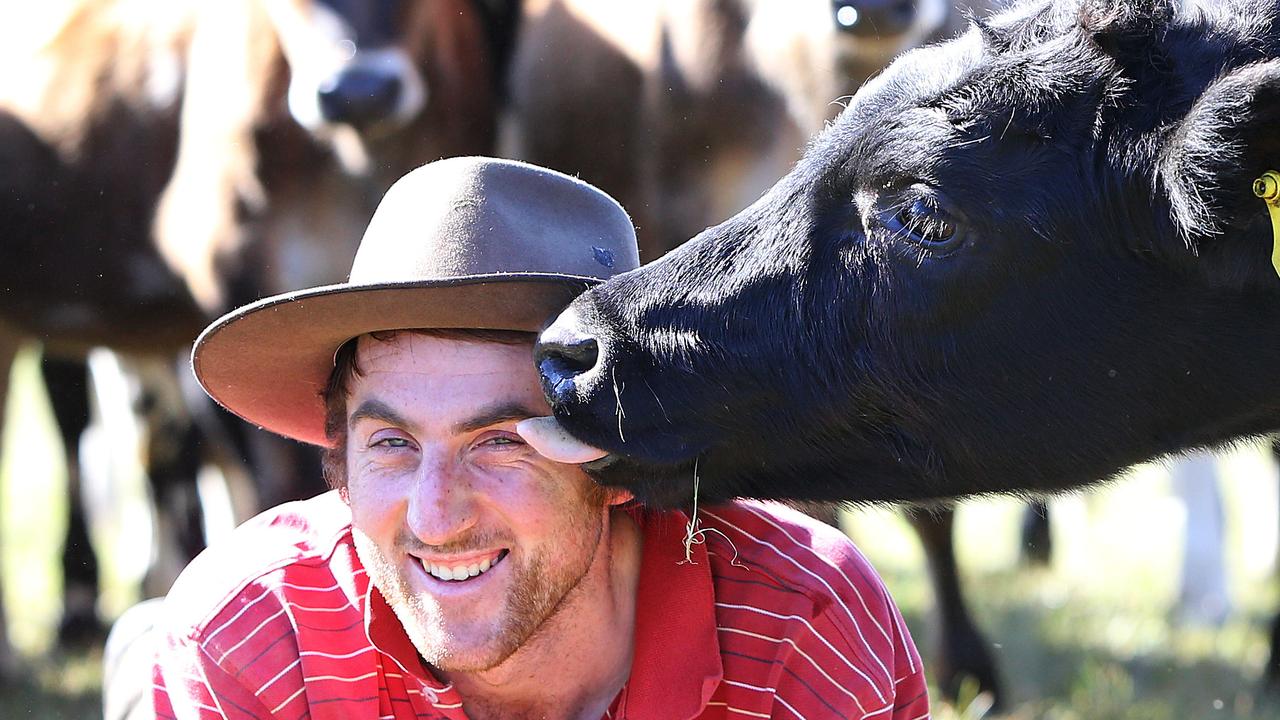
point(466, 242)
point(480, 216)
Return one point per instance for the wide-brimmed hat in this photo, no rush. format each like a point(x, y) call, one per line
point(459, 243)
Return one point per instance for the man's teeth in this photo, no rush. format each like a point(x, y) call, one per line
point(459, 572)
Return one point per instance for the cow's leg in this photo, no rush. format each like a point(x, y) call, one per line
point(278, 469)
point(8, 349)
point(1037, 542)
point(173, 457)
point(186, 430)
point(221, 444)
point(1271, 673)
point(962, 652)
point(1203, 596)
point(282, 470)
point(68, 385)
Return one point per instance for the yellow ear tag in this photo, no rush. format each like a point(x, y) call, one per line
point(1267, 187)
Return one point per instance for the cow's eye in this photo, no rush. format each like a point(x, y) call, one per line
point(922, 221)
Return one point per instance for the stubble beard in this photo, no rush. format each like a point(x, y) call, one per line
point(536, 596)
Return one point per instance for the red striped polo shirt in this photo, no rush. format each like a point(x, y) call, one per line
point(775, 615)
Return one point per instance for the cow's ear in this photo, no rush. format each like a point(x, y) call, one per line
point(1208, 162)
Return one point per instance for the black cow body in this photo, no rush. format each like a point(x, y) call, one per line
point(651, 84)
point(1022, 260)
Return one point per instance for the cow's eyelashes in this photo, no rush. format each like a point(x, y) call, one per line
point(923, 221)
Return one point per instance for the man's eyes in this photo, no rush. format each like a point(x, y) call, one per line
point(495, 441)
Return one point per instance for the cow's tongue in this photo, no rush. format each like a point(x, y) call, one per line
point(551, 441)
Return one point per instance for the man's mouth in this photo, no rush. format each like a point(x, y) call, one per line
point(459, 572)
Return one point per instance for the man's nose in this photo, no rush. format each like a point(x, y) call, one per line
point(442, 505)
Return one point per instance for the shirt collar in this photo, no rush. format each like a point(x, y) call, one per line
point(676, 665)
point(388, 636)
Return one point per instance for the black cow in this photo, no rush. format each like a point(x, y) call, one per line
point(1021, 260)
point(651, 85)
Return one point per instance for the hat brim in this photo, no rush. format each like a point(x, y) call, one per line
point(269, 362)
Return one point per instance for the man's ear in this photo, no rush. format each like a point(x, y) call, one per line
point(1207, 165)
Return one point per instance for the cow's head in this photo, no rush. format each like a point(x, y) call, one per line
point(364, 73)
point(1022, 259)
point(298, 114)
point(360, 74)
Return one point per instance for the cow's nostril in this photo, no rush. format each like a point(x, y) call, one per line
point(360, 96)
point(565, 358)
point(564, 354)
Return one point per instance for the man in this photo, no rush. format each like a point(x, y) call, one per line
point(457, 573)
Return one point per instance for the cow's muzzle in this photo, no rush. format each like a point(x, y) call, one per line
point(567, 356)
point(360, 96)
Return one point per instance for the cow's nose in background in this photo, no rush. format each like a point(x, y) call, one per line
point(564, 354)
point(874, 18)
point(360, 96)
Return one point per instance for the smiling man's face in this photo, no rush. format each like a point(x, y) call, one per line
point(474, 539)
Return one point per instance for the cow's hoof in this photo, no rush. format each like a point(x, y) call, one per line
point(965, 672)
point(1271, 673)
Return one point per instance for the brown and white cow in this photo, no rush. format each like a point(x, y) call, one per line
point(163, 160)
point(688, 110)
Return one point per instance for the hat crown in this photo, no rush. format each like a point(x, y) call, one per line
point(474, 216)
point(458, 243)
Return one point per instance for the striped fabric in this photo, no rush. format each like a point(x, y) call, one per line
point(773, 616)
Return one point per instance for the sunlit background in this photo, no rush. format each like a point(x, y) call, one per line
point(1098, 634)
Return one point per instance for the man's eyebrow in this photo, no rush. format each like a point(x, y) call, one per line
point(377, 410)
point(498, 413)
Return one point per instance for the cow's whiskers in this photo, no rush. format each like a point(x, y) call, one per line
point(617, 394)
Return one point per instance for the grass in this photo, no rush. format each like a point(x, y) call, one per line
point(1091, 638)
point(65, 687)
point(1096, 635)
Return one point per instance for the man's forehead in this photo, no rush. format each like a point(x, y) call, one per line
point(458, 379)
point(405, 348)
